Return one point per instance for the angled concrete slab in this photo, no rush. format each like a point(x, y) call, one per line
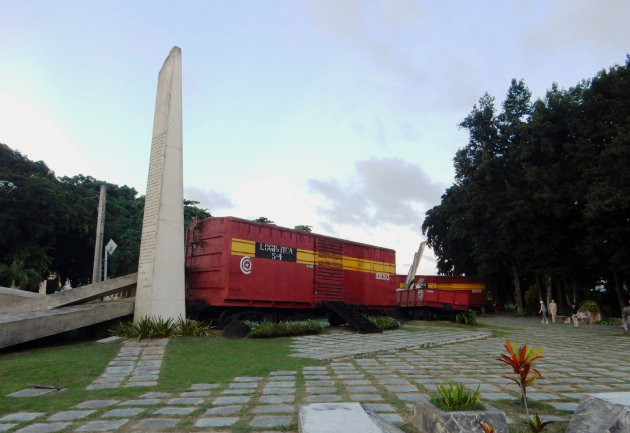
point(18, 328)
point(77, 295)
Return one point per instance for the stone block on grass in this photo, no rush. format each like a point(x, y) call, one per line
point(604, 412)
point(429, 419)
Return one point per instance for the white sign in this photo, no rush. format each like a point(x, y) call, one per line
point(110, 247)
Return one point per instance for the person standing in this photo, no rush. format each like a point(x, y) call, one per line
point(543, 311)
point(625, 317)
point(574, 312)
point(553, 310)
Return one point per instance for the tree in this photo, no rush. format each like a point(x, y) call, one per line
point(191, 212)
point(303, 228)
point(264, 220)
point(18, 274)
point(542, 191)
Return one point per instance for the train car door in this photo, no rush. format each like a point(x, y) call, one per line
point(328, 270)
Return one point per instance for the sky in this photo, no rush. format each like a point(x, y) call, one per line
point(338, 114)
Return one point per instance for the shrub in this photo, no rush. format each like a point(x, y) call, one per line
point(455, 396)
point(268, 329)
point(590, 306)
point(156, 327)
point(192, 328)
point(535, 424)
point(147, 327)
point(384, 322)
point(468, 317)
point(521, 361)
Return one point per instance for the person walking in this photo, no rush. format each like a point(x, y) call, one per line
point(574, 312)
point(543, 311)
point(553, 310)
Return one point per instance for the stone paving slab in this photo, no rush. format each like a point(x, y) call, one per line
point(271, 421)
point(122, 413)
point(21, 416)
point(33, 392)
point(156, 424)
point(102, 425)
point(70, 415)
point(216, 421)
point(44, 427)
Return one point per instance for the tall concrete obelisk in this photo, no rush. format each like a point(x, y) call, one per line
point(160, 290)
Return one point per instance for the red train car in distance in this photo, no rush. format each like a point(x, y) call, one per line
point(241, 264)
point(440, 292)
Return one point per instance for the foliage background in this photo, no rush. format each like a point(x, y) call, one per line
point(48, 224)
point(541, 196)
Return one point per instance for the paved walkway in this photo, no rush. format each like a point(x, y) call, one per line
point(577, 361)
point(138, 363)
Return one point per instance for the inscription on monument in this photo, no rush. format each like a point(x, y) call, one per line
point(152, 204)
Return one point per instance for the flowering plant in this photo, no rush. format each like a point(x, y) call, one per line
point(487, 428)
point(521, 360)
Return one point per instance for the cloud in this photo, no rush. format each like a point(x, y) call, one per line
point(408, 44)
point(382, 191)
point(208, 199)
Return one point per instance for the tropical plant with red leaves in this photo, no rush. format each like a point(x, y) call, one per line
point(487, 428)
point(521, 360)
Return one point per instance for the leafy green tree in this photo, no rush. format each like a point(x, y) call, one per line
point(191, 212)
point(542, 191)
point(263, 220)
point(19, 274)
point(604, 141)
point(303, 228)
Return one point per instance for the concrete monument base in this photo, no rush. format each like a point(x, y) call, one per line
point(429, 419)
point(604, 412)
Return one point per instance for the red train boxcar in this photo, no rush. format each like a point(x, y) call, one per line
point(428, 294)
point(247, 267)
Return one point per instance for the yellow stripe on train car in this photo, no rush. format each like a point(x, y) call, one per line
point(456, 286)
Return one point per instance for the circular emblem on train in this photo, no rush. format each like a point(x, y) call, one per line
point(246, 265)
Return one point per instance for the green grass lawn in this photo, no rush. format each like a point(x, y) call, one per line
point(71, 367)
point(188, 360)
point(216, 359)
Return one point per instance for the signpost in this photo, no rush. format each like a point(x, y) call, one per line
point(109, 249)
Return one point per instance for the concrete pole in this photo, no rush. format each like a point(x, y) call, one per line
point(100, 230)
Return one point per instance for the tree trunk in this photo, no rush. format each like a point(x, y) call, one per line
point(561, 288)
point(518, 297)
point(618, 292)
point(538, 286)
point(548, 281)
